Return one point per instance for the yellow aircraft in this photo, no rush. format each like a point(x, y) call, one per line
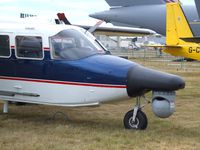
point(179, 37)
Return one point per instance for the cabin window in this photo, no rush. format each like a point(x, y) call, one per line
point(4, 46)
point(29, 47)
point(72, 44)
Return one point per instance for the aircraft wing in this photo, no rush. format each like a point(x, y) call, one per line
point(164, 46)
point(114, 3)
point(120, 31)
point(197, 2)
point(110, 31)
point(192, 39)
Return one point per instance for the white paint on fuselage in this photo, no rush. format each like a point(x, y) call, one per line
point(61, 94)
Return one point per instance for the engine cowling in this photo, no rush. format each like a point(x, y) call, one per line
point(163, 103)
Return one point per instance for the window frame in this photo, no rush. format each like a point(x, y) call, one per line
point(28, 58)
point(89, 40)
point(9, 47)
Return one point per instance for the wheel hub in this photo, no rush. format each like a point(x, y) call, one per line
point(134, 124)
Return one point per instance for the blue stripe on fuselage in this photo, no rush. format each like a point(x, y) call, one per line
point(99, 69)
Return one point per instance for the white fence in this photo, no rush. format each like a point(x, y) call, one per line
point(148, 56)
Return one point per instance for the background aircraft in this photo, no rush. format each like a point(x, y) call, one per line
point(145, 14)
point(179, 37)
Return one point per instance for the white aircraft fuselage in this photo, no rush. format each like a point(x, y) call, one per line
point(63, 65)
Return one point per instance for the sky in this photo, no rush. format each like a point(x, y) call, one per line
point(77, 11)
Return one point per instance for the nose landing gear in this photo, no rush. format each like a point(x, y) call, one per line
point(136, 118)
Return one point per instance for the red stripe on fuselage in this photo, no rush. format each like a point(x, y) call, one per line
point(63, 82)
point(46, 49)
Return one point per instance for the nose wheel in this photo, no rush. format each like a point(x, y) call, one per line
point(136, 118)
point(139, 123)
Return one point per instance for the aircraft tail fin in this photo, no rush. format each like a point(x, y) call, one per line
point(177, 25)
point(62, 17)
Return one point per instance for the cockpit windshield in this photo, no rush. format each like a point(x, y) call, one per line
point(72, 44)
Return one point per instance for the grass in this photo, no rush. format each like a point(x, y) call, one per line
point(33, 127)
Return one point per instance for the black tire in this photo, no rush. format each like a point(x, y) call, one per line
point(140, 123)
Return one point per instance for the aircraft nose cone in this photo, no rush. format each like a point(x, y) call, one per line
point(141, 79)
point(100, 15)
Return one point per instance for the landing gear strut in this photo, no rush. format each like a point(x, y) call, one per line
point(5, 107)
point(136, 118)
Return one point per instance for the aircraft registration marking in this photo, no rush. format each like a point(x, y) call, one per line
point(194, 50)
